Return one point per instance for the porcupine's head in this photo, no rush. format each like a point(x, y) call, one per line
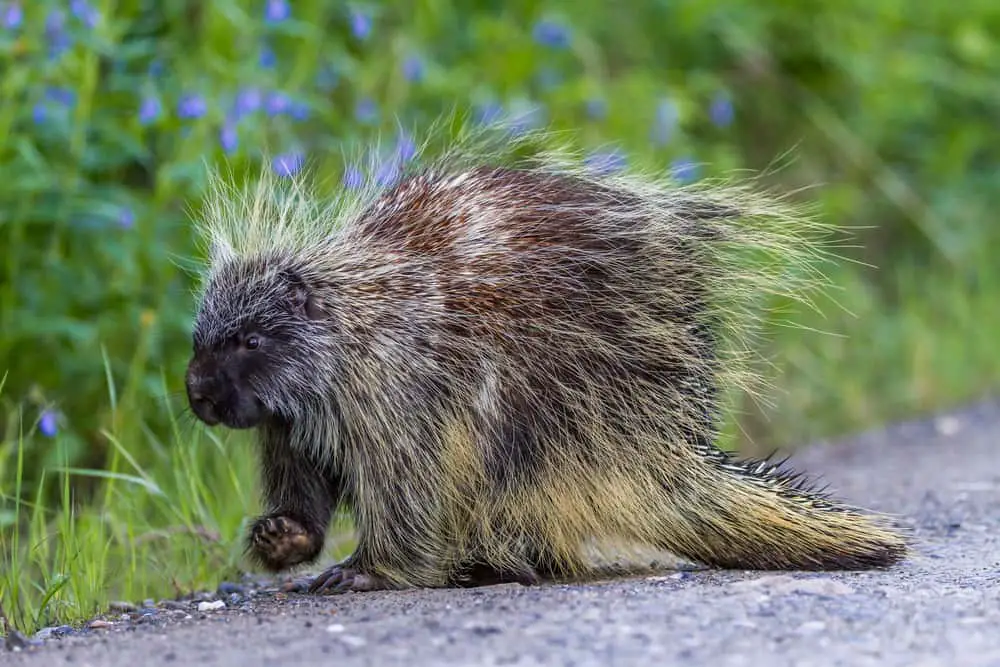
point(263, 346)
point(254, 344)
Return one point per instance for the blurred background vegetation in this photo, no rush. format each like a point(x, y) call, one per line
point(885, 111)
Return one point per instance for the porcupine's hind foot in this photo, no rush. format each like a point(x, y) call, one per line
point(343, 578)
point(279, 542)
point(485, 575)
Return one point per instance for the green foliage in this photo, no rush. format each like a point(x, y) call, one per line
point(111, 111)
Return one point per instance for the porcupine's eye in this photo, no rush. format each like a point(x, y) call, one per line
point(251, 342)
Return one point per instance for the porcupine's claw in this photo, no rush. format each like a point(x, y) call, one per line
point(341, 579)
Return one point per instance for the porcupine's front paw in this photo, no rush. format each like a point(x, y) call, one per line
point(342, 578)
point(279, 542)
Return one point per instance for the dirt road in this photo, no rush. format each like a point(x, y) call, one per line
point(940, 608)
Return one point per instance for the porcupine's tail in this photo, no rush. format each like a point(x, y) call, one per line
point(756, 515)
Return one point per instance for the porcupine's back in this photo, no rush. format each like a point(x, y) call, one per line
point(571, 333)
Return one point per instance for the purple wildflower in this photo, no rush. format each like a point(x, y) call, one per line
point(548, 78)
point(277, 104)
point(684, 170)
point(299, 110)
point(488, 112)
point(327, 78)
point(361, 24)
point(413, 69)
point(192, 106)
point(64, 96)
point(406, 149)
point(229, 137)
point(288, 164)
point(605, 162)
point(665, 121)
point(353, 178)
point(149, 110)
point(39, 113)
point(527, 115)
point(126, 217)
point(387, 173)
point(597, 108)
point(87, 14)
point(59, 39)
point(13, 16)
point(48, 424)
point(267, 59)
point(277, 11)
point(552, 34)
point(366, 111)
point(721, 110)
point(248, 100)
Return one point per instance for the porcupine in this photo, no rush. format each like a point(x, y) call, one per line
point(493, 362)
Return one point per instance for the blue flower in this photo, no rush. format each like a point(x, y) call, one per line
point(406, 149)
point(126, 217)
point(526, 116)
point(85, 13)
point(288, 164)
point(299, 110)
point(413, 69)
point(39, 113)
point(549, 78)
point(327, 78)
point(361, 24)
point(229, 137)
point(59, 40)
point(488, 112)
point(277, 103)
point(192, 106)
point(277, 11)
point(267, 58)
point(247, 101)
point(366, 111)
point(48, 424)
point(149, 110)
point(605, 162)
point(156, 68)
point(597, 108)
point(684, 170)
point(63, 96)
point(550, 33)
point(353, 178)
point(721, 110)
point(13, 15)
point(387, 173)
point(665, 122)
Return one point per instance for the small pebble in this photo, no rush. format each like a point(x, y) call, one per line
point(351, 640)
point(98, 624)
point(812, 626)
point(335, 627)
point(174, 604)
point(229, 588)
point(63, 630)
point(211, 606)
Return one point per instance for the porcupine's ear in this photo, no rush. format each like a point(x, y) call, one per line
point(302, 297)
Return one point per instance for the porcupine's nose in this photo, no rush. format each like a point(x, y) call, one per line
point(201, 402)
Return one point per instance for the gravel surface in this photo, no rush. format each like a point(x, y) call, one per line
point(942, 607)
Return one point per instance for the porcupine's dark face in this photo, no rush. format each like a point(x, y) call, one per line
point(250, 345)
